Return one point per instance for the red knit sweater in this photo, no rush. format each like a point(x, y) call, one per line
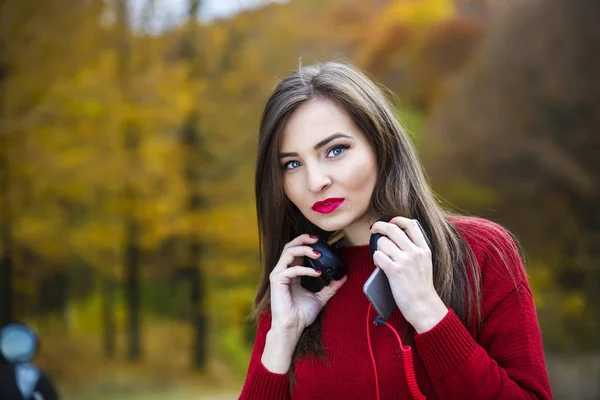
point(505, 361)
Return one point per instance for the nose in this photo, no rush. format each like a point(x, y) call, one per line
point(317, 179)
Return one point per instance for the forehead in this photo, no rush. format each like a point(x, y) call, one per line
point(313, 121)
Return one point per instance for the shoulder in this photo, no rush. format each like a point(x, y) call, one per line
point(496, 253)
point(478, 231)
point(489, 241)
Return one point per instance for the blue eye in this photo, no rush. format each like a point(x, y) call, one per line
point(337, 150)
point(291, 165)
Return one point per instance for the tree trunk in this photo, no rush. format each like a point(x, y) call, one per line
point(65, 292)
point(6, 287)
point(6, 260)
point(199, 320)
point(132, 289)
point(131, 227)
point(108, 316)
point(194, 162)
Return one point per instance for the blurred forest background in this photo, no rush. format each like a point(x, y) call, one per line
point(128, 136)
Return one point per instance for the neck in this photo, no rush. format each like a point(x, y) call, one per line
point(358, 234)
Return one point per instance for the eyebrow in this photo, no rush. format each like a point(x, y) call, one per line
point(318, 145)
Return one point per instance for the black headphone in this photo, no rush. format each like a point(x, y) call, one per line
point(331, 266)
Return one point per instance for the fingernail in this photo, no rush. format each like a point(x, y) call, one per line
point(318, 272)
point(313, 237)
point(317, 252)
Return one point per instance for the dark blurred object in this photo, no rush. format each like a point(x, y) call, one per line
point(21, 379)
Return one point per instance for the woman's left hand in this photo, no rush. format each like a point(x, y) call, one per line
point(405, 258)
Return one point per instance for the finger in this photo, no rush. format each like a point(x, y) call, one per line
point(328, 291)
point(390, 249)
point(294, 272)
point(384, 262)
point(394, 233)
point(301, 240)
point(289, 254)
point(412, 229)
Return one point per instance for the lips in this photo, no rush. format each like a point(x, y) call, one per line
point(328, 205)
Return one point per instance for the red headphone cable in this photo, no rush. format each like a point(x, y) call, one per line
point(409, 368)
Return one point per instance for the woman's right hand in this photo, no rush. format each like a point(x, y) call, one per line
point(293, 308)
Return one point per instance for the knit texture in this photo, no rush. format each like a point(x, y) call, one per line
point(505, 361)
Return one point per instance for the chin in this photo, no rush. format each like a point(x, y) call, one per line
point(331, 223)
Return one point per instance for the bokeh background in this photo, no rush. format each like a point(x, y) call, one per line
point(128, 136)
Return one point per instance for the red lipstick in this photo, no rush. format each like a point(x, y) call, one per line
point(328, 205)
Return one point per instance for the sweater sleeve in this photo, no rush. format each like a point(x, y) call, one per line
point(507, 364)
point(260, 382)
point(507, 361)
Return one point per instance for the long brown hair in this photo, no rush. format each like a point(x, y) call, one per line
point(401, 187)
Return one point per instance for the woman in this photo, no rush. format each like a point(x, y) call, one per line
point(333, 157)
point(20, 378)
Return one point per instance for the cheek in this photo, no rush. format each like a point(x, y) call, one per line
point(291, 190)
point(361, 176)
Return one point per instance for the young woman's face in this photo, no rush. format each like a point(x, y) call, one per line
point(329, 167)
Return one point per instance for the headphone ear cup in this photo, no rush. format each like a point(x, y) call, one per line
point(375, 237)
point(312, 284)
point(329, 264)
point(373, 242)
